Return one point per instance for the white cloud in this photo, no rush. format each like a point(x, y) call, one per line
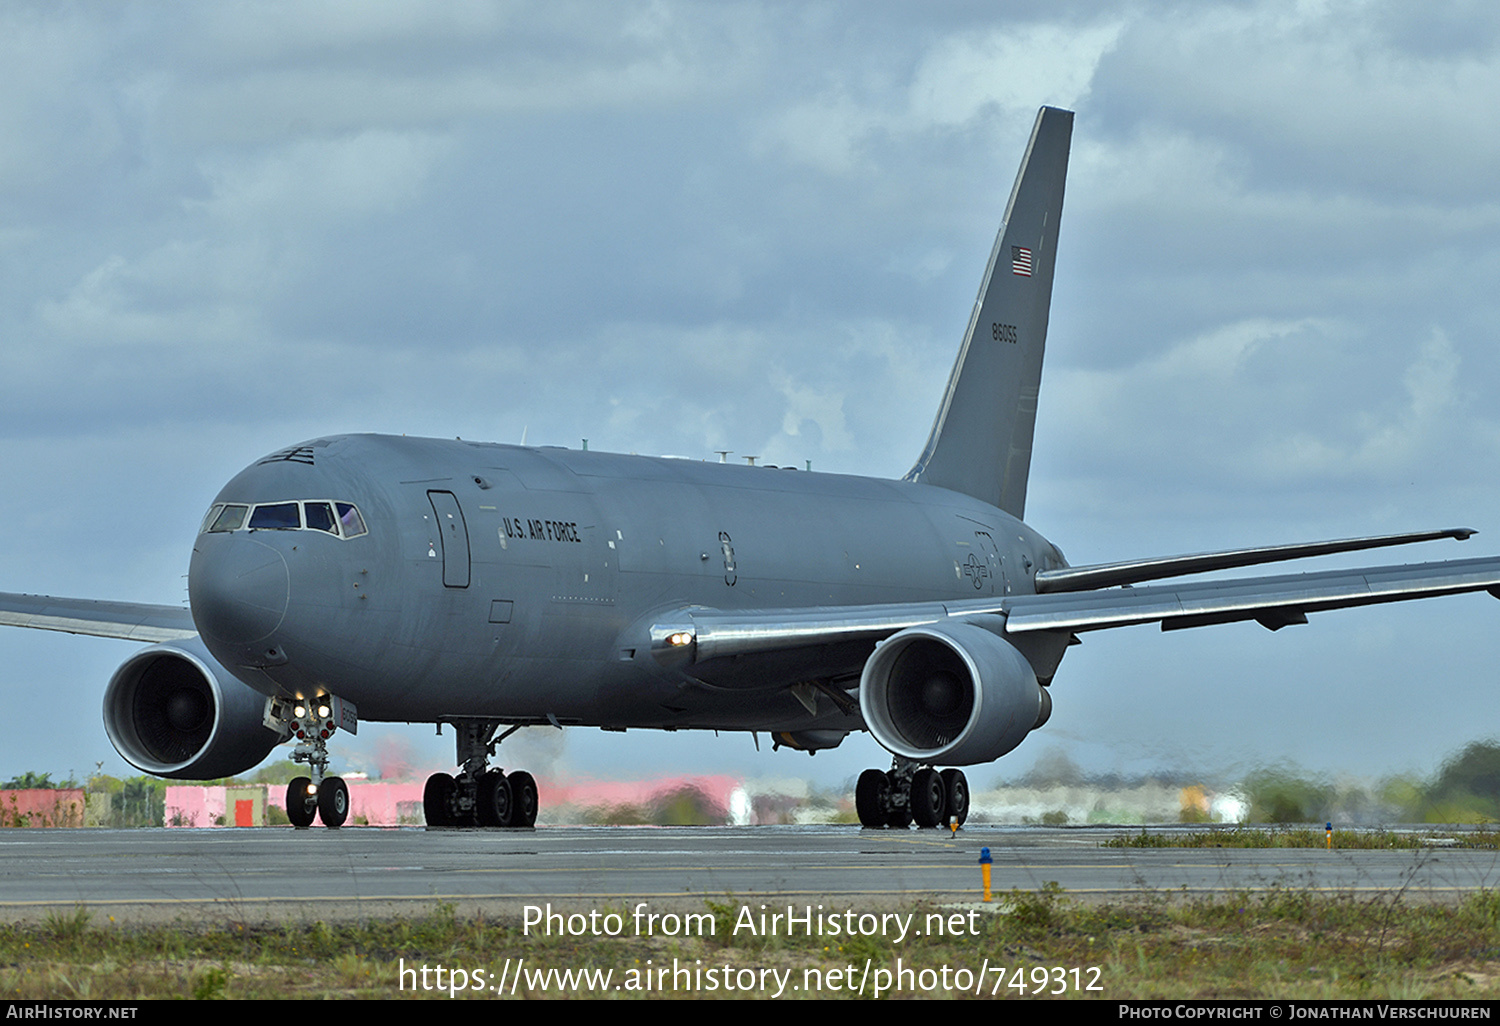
point(1383, 443)
point(806, 404)
point(1016, 68)
point(960, 81)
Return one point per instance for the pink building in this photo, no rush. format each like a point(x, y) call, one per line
point(42, 807)
point(383, 803)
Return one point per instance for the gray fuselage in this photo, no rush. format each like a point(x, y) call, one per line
point(519, 584)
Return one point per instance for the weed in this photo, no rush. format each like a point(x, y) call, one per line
point(211, 984)
point(1285, 943)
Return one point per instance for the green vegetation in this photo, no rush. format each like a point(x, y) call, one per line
point(686, 806)
point(132, 802)
point(1465, 790)
point(140, 801)
point(30, 781)
point(1277, 943)
point(1291, 837)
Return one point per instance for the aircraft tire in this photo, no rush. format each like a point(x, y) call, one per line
point(899, 817)
point(957, 786)
point(437, 800)
point(333, 802)
point(870, 795)
point(525, 802)
point(494, 807)
point(929, 797)
point(298, 809)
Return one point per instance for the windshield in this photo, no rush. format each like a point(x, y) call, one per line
point(340, 519)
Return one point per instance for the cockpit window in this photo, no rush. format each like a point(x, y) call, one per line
point(278, 516)
point(319, 517)
point(230, 518)
point(340, 519)
point(353, 523)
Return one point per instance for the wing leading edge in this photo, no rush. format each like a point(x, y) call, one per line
point(696, 635)
point(131, 621)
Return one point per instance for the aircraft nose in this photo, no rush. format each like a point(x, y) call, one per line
point(238, 588)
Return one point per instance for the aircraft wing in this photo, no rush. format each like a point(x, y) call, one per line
point(1107, 575)
point(696, 635)
point(1273, 601)
point(132, 621)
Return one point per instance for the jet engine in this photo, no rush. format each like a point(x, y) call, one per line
point(173, 711)
point(951, 693)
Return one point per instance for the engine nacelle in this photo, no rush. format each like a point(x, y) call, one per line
point(173, 711)
point(950, 693)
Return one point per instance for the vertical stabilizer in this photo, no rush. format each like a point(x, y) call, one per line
point(981, 440)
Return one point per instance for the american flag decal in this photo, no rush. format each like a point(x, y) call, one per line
point(1020, 261)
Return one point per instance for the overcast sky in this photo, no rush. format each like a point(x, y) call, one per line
point(676, 228)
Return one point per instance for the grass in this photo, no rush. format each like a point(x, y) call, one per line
point(1283, 943)
point(1305, 837)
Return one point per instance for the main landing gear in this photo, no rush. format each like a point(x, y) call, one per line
point(319, 796)
point(911, 793)
point(480, 796)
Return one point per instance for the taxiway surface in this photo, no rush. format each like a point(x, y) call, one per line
point(273, 874)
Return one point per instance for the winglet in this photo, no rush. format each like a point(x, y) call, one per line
point(981, 439)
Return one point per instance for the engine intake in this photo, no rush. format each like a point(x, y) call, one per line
point(951, 693)
point(173, 711)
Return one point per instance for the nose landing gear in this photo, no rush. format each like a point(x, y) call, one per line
point(313, 723)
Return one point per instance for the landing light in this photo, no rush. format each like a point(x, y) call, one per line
point(680, 638)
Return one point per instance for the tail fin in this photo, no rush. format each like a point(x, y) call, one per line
point(981, 440)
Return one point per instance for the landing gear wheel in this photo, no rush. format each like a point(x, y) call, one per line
point(437, 800)
point(494, 805)
point(929, 797)
point(870, 795)
point(299, 808)
point(523, 799)
point(333, 802)
point(957, 786)
point(898, 818)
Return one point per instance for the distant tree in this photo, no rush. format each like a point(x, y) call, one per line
point(1468, 786)
point(615, 815)
point(687, 806)
point(1284, 795)
point(29, 781)
point(140, 802)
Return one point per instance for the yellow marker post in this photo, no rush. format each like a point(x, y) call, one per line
point(953, 825)
point(1330, 837)
point(984, 870)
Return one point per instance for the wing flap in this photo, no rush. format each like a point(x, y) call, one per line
point(131, 621)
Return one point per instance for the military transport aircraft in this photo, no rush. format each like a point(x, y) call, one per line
point(491, 587)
